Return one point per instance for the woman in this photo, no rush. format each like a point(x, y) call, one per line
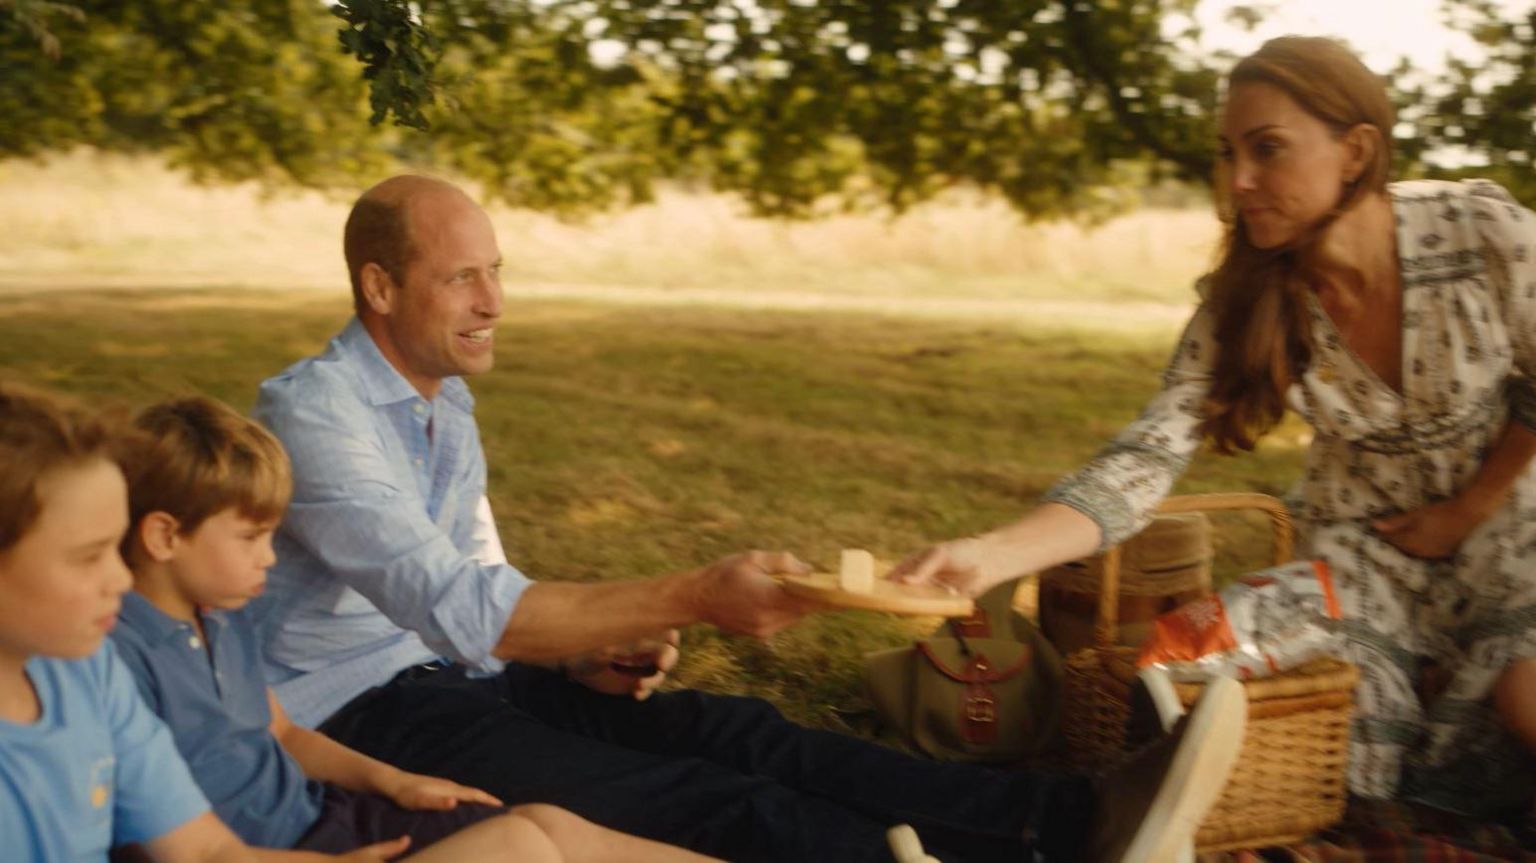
point(1400, 321)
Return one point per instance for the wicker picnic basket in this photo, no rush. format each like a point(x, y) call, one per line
point(1165, 566)
point(1290, 773)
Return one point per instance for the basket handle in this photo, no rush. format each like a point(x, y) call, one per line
point(1282, 543)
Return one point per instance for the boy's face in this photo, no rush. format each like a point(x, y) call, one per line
point(62, 583)
point(223, 564)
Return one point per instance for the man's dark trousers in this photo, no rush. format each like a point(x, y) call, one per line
point(722, 775)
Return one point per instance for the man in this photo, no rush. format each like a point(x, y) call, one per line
point(399, 629)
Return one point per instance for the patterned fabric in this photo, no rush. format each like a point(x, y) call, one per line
point(1467, 253)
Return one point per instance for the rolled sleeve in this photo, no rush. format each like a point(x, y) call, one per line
point(372, 531)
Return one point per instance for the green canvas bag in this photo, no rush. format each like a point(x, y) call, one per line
point(982, 688)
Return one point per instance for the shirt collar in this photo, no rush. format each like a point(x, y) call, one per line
point(383, 383)
point(141, 615)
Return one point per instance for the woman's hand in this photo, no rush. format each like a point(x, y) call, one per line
point(1047, 535)
point(1434, 531)
point(957, 564)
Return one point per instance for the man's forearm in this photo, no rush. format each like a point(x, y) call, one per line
point(541, 627)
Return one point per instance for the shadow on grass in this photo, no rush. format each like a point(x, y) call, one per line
point(627, 441)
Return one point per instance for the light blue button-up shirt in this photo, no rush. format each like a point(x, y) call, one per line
point(386, 558)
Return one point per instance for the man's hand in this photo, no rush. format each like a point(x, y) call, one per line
point(957, 564)
point(738, 594)
point(415, 791)
point(621, 670)
point(1434, 531)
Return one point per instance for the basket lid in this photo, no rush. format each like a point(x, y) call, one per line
point(1325, 674)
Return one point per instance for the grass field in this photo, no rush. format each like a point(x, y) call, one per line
point(630, 440)
point(673, 383)
point(93, 221)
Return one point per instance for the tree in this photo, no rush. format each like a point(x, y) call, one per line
point(1484, 112)
point(567, 105)
point(787, 101)
point(251, 90)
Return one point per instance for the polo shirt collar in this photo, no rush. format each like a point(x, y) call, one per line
point(382, 383)
point(141, 615)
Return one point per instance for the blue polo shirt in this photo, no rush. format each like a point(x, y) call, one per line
point(95, 770)
point(214, 698)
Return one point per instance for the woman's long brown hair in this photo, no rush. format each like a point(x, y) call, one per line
point(1259, 296)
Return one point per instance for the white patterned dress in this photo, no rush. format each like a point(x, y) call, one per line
point(1468, 257)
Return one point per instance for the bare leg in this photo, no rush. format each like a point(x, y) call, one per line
point(510, 837)
point(1515, 698)
point(581, 841)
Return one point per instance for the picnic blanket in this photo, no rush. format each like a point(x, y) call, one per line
point(1378, 831)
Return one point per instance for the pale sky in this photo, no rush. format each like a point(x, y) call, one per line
point(1381, 30)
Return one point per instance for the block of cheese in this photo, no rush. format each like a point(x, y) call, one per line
point(857, 573)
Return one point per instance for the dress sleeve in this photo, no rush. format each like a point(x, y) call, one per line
point(1509, 237)
point(154, 790)
point(1121, 485)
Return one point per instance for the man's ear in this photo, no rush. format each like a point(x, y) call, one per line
point(1362, 142)
point(378, 288)
point(159, 535)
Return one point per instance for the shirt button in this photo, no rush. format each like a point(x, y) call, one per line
point(194, 642)
point(419, 408)
point(416, 461)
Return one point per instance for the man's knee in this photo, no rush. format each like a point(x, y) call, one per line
point(743, 708)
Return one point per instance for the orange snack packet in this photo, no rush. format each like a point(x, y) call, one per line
point(1261, 624)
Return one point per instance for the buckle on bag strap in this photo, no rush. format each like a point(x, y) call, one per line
point(978, 707)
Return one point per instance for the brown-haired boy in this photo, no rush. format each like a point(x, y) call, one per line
point(206, 488)
point(83, 765)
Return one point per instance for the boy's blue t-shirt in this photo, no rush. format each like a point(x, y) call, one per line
point(214, 698)
point(95, 770)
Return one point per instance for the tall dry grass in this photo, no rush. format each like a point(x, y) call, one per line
point(89, 219)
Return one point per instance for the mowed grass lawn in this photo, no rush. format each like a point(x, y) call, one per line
point(628, 441)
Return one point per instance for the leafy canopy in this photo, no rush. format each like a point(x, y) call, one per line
point(569, 105)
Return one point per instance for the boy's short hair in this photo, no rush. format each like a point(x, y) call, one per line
point(40, 433)
point(195, 457)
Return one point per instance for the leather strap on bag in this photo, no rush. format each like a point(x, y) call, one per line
point(977, 625)
point(978, 700)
